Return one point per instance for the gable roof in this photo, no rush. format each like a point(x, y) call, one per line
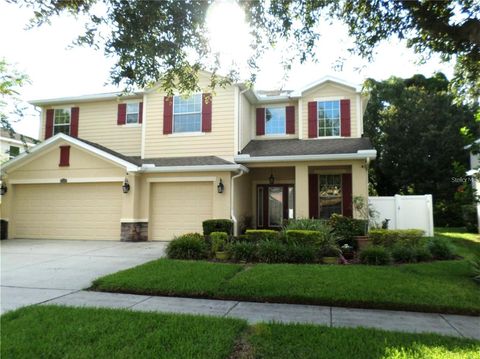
point(97, 149)
point(323, 80)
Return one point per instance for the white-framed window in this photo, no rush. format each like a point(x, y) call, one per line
point(133, 110)
point(13, 151)
point(328, 114)
point(187, 113)
point(275, 121)
point(61, 121)
point(330, 195)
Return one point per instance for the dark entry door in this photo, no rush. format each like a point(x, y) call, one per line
point(275, 203)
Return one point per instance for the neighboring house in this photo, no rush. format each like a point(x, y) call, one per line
point(255, 157)
point(12, 144)
point(474, 172)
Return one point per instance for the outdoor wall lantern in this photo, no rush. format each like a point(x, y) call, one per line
point(3, 189)
point(220, 187)
point(271, 179)
point(126, 186)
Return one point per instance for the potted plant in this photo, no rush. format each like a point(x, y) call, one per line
point(219, 241)
point(347, 251)
point(330, 254)
point(367, 214)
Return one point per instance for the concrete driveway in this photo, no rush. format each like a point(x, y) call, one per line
point(34, 271)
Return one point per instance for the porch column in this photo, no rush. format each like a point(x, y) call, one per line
point(301, 191)
point(359, 183)
point(133, 229)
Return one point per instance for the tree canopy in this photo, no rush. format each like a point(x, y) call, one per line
point(153, 40)
point(416, 127)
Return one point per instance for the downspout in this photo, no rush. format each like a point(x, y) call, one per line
point(232, 211)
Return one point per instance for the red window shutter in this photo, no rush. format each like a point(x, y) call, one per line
point(290, 119)
point(260, 121)
point(207, 112)
point(64, 156)
point(312, 120)
point(121, 114)
point(345, 117)
point(167, 114)
point(74, 112)
point(347, 195)
point(140, 112)
point(313, 195)
point(49, 123)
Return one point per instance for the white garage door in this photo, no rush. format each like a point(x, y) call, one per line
point(68, 211)
point(178, 208)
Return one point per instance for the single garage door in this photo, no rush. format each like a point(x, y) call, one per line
point(178, 208)
point(68, 211)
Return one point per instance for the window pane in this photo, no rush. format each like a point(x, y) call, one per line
point(132, 108)
point(275, 206)
point(132, 118)
point(328, 118)
point(275, 121)
point(14, 151)
point(62, 128)
point(187, 104)
point(62, 116)
point(330, 195)
point(187, 123)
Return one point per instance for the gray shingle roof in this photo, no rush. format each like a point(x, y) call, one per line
point(186, 161)
point(296, 147)
point(164, 161)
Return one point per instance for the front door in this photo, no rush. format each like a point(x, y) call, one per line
point(275, 203)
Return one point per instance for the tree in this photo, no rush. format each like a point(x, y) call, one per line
point(153, 39)
point(10, 105)
point(416, 127)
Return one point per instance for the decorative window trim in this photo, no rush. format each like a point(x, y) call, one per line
point(189, 133)
point(67, 109)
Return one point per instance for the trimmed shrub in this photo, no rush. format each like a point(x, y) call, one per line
point(217, 225)
point(375, 255)
point(271, 252)
point(404, 254)
point(302, 237)
point(257, 235)
point(422, 254)
point(219, 240)
point(242, 251)
point(300, 254)
point(188, 246)
point(305, 224)
point(391, 237)
point(347, 228)
point(440, 248)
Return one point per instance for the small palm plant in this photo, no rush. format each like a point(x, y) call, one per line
point(475, 263)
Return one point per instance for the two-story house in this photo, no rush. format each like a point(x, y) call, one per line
point(154, 166)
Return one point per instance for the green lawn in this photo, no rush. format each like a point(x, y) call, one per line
point(442, 286)
point(62, 332)
point(278, 341)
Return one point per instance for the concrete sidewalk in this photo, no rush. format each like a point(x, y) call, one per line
point(452, 325)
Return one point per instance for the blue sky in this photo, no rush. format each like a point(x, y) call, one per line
point(57, 70)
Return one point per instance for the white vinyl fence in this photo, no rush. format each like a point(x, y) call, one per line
point(405, 212)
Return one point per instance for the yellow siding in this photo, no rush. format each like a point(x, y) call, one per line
point(330, 90)
point(98, 123)
point(247, 122)
point(219, 142)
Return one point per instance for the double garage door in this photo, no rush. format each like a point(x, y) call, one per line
point(93, 210)
point(68, 211)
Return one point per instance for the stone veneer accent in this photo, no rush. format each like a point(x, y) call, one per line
point(134, 232)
